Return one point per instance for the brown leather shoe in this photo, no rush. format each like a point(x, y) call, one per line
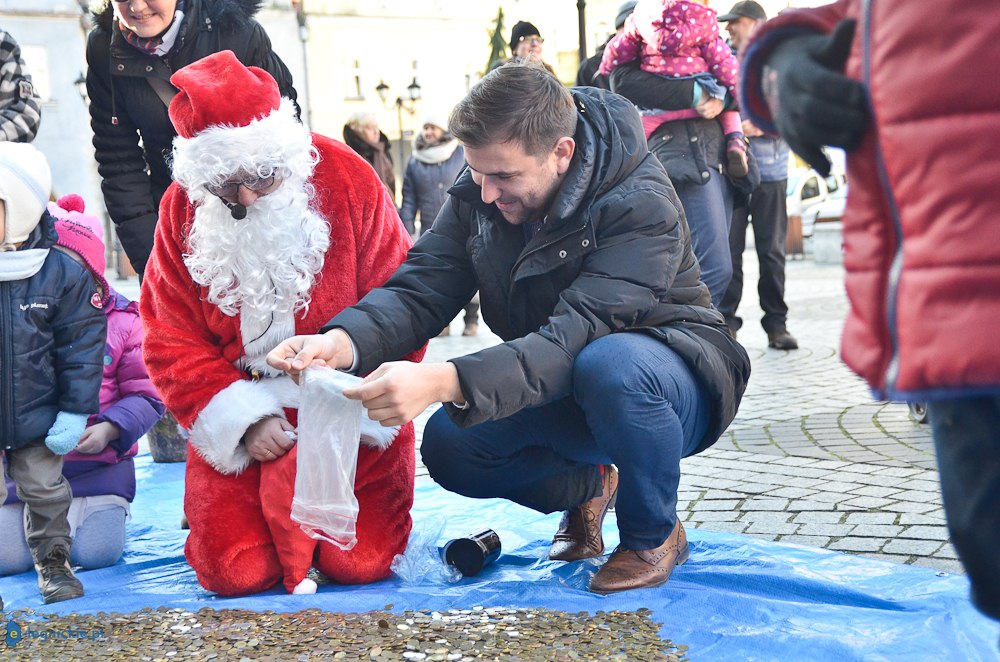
point(626, 569)
point(579, 535)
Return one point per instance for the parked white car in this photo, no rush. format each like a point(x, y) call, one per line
point(807, 188)
point(828, 211)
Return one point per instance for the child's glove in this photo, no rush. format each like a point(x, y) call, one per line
point(65, 433)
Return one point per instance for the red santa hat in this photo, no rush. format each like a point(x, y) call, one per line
point(219, 90)
point(81, 233)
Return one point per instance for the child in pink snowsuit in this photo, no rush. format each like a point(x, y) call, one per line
point(680, 39)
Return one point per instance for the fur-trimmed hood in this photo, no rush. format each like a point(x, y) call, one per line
point(224, 11)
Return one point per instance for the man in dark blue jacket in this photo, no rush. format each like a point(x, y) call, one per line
point(614, 364)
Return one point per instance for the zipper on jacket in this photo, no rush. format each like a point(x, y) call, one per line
point(896, 269)
point(6, 369)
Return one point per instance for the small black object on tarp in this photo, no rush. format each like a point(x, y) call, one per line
point(474, 552)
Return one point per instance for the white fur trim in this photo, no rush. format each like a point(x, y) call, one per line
point(305, 587)
point(217, 431)
point(375, 434)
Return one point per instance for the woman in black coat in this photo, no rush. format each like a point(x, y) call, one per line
point(131, 54)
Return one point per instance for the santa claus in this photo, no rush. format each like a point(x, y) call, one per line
point(268, 231)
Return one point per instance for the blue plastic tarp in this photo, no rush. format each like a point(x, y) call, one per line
point(737, 598)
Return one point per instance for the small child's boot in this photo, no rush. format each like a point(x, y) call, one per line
point(56, 580)
point(736, 155)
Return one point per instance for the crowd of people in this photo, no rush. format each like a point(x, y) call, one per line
point(600, 228)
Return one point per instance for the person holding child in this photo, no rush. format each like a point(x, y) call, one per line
point(100, 470)
point(50, 378)
point(684, 82)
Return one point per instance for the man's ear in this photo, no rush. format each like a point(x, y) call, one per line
point(563, 152)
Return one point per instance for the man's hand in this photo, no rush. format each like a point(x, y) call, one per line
point(398, 392)
point(813, 103)
point(267, 439)
point(709, 107)
point(294, 355)
point(97, 437)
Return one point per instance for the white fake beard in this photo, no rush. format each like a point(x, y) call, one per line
point(263, 266)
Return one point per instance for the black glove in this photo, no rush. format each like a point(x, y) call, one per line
point(812, 102)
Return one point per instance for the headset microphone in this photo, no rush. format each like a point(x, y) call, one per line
point(238, 211)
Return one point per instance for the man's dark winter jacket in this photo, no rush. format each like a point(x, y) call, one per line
point(135, 176)
point(614, 255)
point(51, 343)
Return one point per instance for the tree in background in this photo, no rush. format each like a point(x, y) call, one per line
point(498, 45)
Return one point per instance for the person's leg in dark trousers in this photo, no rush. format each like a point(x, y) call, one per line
point(547, 458)
point(737, 244)
point(968, 455)
point(708, 208)
point(770, 227)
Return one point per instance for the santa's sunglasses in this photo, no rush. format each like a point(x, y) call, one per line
point(231, 189)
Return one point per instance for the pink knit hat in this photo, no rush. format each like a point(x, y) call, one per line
point(82, 233)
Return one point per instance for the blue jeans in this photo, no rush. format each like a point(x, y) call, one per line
point(634, 404)
point(967, 442)
point(709, 209)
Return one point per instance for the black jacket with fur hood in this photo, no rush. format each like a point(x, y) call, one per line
point(124, 107)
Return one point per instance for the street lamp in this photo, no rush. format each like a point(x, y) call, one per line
point(408, 104)
point(81, 87)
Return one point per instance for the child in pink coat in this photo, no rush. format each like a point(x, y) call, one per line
point(100, 471)
point(680, 39)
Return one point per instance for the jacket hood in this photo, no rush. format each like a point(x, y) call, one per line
point(610, 145)
point(216, 10)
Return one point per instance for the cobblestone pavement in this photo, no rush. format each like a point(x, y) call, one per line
point(810, 458)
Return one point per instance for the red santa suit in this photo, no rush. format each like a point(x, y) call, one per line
point(242, 539)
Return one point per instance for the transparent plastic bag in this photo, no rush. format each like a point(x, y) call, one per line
point(421, 563)
point(329, 430)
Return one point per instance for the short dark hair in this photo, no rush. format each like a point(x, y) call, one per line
point(519, 101)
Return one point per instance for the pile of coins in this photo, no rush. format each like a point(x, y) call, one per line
point(480, 633)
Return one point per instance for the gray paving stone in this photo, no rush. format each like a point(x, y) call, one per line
point(871, 518)
point(948, 566)
point(866, 502)
point(877, 530)
point(713, 515)
point(926, 533)
point(857, 544)
point(807, 505)
point(758, 503)
point(818, 517)
point(791, 492)
point(912, 547)
point(779, 517)
point(770, 529)
point(875, 491)
point(918, 496)
point(725, 527)
point(808, 541)
point(715, 504)
point(829, 530)
point(912, 507)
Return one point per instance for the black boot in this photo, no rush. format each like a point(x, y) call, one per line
point(56, 580)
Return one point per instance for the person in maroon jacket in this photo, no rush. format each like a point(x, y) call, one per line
point(922, 264)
